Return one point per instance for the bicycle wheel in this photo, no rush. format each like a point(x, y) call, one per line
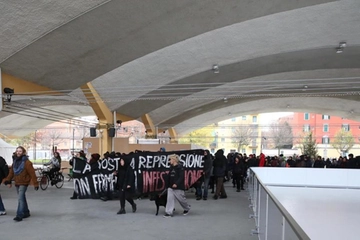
point(44, 182)
point(60, 181)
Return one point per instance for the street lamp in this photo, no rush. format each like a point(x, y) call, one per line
point(34, 152)
point(261, 144)
point(73, 143)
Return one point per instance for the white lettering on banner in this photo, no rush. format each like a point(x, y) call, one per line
point(102, 182)
point(87, 168)
point(191, 160)
point(82, 186)
point(74, 167)
point(149, 162)
point(132, 164)
point(142, 162)
point(109, 164)
point(162, 161)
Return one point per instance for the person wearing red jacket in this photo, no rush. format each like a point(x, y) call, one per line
point(262, 160)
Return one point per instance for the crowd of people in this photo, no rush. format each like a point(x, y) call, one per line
point(217, 170)
point(295, 161)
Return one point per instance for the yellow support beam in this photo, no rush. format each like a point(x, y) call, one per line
point(105, 116)
point(173, 135)
point(23, 86)
point(148, 123)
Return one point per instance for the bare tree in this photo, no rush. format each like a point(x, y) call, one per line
point(281, 135)
point(241, 136)
point(50, 138)
point(202, 137)
point(343, 141)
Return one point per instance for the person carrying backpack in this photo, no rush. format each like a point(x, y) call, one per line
point(4, 171)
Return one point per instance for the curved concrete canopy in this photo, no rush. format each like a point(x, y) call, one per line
point(156, 56)
point(284, 104)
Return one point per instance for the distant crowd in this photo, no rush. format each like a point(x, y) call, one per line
point(295, 161)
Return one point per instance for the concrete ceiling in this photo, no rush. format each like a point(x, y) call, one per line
point(156, 57)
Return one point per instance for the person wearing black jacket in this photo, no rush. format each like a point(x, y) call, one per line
point(205, 178)
point(219, 164)
point(79, 156)
point(238, 173)
point(319, 163)
point(4, 171)
point(352, 162)
point(126, 185)
point(176, 187)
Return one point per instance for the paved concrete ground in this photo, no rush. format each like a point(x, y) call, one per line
point(55, 216)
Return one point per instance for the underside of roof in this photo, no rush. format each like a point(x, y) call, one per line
point(158, 57)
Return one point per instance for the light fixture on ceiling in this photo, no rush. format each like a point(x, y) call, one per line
point(339, 50)
point(305, 87)
point(287, 106)
point(352, 111)
point(9, 92)
point(342, 44)
point(225, 100)
point(229, 113)
point(215, 68)
point(341, 47)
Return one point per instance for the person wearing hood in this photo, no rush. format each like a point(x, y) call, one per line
point(176, 187)
point(126, 185)
point(219, 172)
point(22, 171)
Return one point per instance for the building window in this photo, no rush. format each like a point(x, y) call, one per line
point(233, 119)
point(243, 150)
point(243, 117)
point(306, 128)
point(306, 116)
point(345, 127)
point(326, 117)
point(222, 139)
point(325, 140)
point(254, 119)
point(326, 127)
point(253, 151)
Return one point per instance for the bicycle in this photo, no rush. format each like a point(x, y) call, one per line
point(44, 179)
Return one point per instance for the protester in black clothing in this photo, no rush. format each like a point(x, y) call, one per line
point(79, 156)
point(219, 164)
point(126, 186)
point(205, 178)
point(291, 162)
point(238, 173)
point(252, 162)
point(352, 162)
point(328, 163)
point(319, 163)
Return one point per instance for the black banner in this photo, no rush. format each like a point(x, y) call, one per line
point(150, 168)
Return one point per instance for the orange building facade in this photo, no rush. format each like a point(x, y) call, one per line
point(324, 129)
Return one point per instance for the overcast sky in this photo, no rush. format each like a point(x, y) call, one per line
point(266, 118)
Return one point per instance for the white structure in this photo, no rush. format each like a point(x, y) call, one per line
point(303, 203)
point(6, 151)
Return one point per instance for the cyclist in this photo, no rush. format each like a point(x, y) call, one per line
point(55, 163)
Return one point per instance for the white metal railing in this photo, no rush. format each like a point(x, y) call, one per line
point(272, 220)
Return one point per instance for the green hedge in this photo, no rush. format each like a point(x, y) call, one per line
point(40, 161)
